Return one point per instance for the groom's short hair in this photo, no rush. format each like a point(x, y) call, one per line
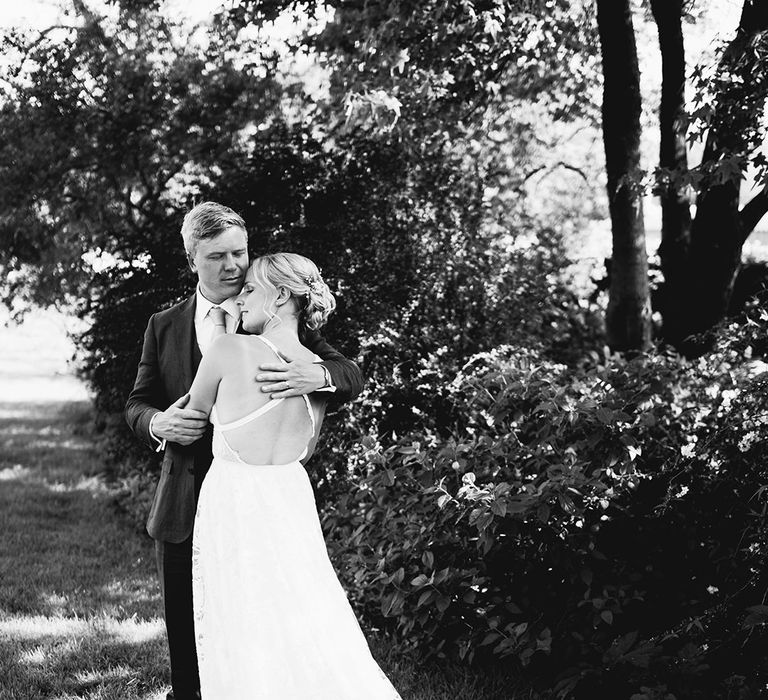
point(207, 220)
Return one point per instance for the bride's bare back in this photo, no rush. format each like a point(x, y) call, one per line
point(257, 429)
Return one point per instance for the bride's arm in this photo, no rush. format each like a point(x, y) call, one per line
point(202, 393)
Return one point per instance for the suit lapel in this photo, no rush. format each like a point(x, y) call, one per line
point(196, 354)
point(184, 339)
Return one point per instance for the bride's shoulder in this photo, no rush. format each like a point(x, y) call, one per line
point(285, 345)
point(234, 344)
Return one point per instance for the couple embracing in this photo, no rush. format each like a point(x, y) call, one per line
point(232, 386)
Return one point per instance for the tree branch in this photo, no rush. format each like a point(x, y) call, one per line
point(93, 22)
point(551, 168)
point(533, 172)
point(25, 49)
point(572, 168)
point(752, 212)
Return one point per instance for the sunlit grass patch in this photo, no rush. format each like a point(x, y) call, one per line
point(16, 472)
point(41, 628)
point(56, 657)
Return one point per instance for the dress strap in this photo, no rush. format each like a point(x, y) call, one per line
point(310, 411)
point(269, 343)
point(260, 411)
point(307, 402)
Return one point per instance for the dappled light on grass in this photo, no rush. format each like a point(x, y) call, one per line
point(40, 629)
point(53, 602)
point(65, 552)
point(47, 657)
point(80, 609)
point(47, 443)
point(33, 657)
point(22, 429)
point(16, 472)
point(94, 677)
point(59, 445)
point(40, 414)
point(142, 592)
point(93, 484)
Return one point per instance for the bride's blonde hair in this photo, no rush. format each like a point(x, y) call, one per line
point(301, 277)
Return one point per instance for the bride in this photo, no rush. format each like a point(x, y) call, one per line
point(272, 621)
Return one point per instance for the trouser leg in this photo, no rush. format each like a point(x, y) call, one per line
point(174, 562)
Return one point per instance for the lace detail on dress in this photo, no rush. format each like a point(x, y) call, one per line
point(198, 590)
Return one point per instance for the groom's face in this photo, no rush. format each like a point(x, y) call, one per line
point(220, 263)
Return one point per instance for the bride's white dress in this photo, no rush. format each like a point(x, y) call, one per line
point(272, 621)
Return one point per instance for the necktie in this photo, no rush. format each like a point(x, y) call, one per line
point(218, 315)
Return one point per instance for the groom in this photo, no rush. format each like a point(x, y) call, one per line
point(215, 241)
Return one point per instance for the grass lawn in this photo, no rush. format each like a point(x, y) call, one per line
point(80, 607)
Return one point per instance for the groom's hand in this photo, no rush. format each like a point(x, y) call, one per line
point(294, 378)
point(179, 424)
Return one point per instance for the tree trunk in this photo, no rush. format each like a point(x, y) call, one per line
point(720, 228)
point(673, 161)
point(628, 318)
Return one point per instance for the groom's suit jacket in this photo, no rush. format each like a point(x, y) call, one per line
point(169, 359)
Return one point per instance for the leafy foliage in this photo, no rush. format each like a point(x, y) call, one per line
point(504, 86)
point(607, 526)
point(448, 57)
point(105, 131)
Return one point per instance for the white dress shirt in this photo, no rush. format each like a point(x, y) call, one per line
point(204, 323)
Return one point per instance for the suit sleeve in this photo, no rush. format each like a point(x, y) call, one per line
point(146, 394)
point(345, 374)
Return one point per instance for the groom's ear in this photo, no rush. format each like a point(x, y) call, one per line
point(191, 263)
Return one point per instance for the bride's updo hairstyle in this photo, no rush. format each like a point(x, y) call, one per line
point(300, 276)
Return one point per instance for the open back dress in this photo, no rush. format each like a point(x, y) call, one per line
point(272, 621)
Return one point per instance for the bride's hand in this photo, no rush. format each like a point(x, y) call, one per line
point(292, 378)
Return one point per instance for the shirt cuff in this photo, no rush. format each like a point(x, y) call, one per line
point(328, 386)
point(160, 442)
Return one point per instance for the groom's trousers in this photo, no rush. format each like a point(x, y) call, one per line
point(174, 564)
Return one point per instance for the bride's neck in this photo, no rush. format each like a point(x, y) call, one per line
point(287, 330)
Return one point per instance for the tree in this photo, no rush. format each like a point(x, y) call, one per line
point(439, 61)
point(444, 62)
point(628, 318)
point(106, 129)
point(673, 157)
point(480, 83)
point(700, 266)
point(126, 124)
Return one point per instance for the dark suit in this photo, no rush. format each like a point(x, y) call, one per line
point(169, 360)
